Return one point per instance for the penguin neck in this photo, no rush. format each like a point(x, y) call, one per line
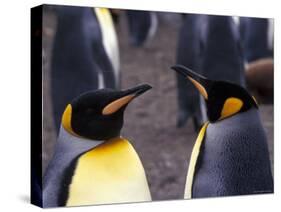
point(115, 139)
point(72, 142)
point(240, 119)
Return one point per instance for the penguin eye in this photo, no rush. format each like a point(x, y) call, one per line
point(89, 110)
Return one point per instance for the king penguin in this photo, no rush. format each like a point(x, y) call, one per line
point(92, 162)
point(230, 155)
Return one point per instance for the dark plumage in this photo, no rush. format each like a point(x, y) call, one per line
point(255, 37)
point(234, 158)
point(142, 25)
point(223, 57)
point(188, 54)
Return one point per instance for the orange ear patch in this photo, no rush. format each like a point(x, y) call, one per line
point(231, 106)
point(116, 104)
point(200, 88)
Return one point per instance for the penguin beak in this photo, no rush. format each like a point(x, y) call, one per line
point(200, 82)
point(138, 90)
point(127, 97)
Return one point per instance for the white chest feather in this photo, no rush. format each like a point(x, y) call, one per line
point(193, 161)
point(109, 38)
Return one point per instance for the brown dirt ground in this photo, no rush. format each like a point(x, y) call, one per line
point(150, 121)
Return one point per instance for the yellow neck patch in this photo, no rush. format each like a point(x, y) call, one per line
point(66, 120)
point(231, 106)
point(193, 161)
point(109, 173)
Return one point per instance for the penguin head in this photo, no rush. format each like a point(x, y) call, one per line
point(223, 99)
point(98, 114)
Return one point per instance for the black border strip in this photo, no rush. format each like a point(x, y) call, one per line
point(36, 105)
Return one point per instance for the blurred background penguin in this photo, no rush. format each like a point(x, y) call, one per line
point(85, 55)
point(142, 26)
point(257, 37)
point(86, 52)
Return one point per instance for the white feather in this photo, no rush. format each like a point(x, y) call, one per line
point(109, 39)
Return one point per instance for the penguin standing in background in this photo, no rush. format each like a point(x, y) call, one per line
point(223, 57)
point(110, 43)
point(84, 56)
point(142, 26)
point(210, 43)
point(257, 37)
point(93, 163)
point(189, 49)
point(230, 155)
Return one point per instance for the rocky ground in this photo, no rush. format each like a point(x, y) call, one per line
point(150, 121)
